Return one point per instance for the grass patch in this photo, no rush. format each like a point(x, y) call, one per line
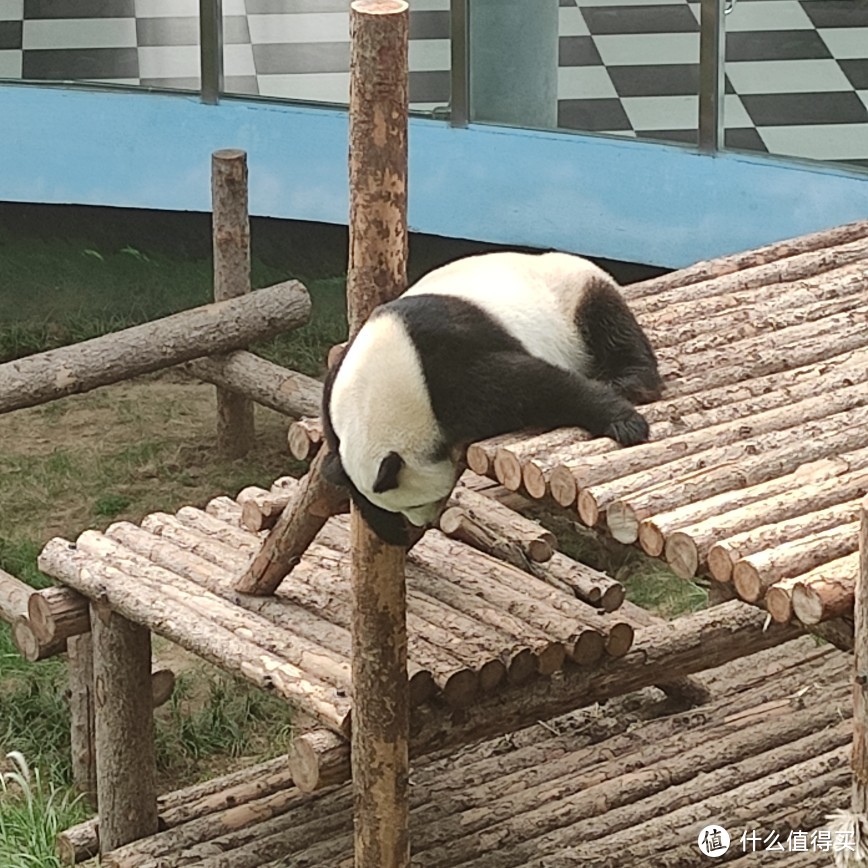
point(32, 812)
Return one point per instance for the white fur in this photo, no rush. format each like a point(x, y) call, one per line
point(534, 298)
point(383, 353)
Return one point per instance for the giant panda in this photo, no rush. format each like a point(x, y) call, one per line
point(485, 345)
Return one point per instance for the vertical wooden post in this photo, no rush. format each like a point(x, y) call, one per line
point(231, 242)
point(81, 713)
point(123, 730)
point(859, 794)
point(377, 273)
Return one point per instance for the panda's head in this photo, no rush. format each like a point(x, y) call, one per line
point(385, 444)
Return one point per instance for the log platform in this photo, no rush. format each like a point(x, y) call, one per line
point(768, 753)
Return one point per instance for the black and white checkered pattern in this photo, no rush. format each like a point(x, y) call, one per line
point(797, 70)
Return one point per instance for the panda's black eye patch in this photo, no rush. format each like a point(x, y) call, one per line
point(387, 476)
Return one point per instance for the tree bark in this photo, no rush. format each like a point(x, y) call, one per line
point(57, 613)
point(687, 547)
point(146, 603)
point(271, 385)
point(14, 596)
point(305, 438)
point(826, 591)
point(81, 713)
point(723, 555)
point(787, 484)
point(754, 573)
point(80, 843)
point(315, 501)
point(123, 729)
point(819, 246)
point(859, 755)
point(201, 331)
point(231, 246)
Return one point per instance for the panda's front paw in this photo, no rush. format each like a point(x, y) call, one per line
point(628, 431)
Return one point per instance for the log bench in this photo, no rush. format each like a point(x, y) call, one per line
point(767, 753)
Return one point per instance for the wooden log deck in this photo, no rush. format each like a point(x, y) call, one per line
point(759, 449)
point(768, 754)
point(477, 623)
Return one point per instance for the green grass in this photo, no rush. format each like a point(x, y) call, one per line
point(32, 812)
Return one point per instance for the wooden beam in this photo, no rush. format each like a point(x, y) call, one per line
point(123, 729)
point(231, 243)
point(859, 760)
point(377, 273)
point(201, 331)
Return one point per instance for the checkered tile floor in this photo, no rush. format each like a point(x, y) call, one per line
point(797, 70)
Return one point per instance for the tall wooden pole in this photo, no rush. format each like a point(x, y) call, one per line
point(859, 795)
point(377, 273)
point(231, 242)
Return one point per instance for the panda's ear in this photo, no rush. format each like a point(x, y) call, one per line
point(387, 476)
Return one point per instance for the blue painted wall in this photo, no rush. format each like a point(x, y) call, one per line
point(607, 197)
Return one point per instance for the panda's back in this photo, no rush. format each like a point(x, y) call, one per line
point(532, 297)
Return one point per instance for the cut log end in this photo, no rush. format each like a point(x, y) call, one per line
point(563, 487)
point(478, 460)
point(317, 759)
point(807, 604)
point(534, 481)
point(461, 688)
point(589, 649)
point(623, 522)
point(589, 511)
point(422, 687)
point(747, 581)
point(491, 675)
point(523, 666)
point(720, 563)
point(539, 550)
point(779, 604)
point(301, 447)
point(651, 538)
point(612, 597)
point(682, 555)
point(507, 469)
point(619, 639)
point(551, 659)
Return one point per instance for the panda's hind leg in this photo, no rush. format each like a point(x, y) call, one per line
point(620, 350)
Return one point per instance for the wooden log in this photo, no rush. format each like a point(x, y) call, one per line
point(758, 430)
point(753, 574)
point(306, 656)
point(510, 590)
point(509, 460)
point(724, 554)
point(678, 413)
point(859, 755)
point(835, 433)
point(315, 501)
point(779, 600)
point(480, 456)
point(123, 729)
point(213, 566)
point(271, 385)
point(587, 584)
point(770, 254)
point(505, 525)
point(57, 613)
point(213, 328)
point(826, 591)
point(686, 547)
point(785, 483)
point(81, 712)
point(319, 759)
point(80, 842)
point(148, 603)
point(263, 514)
point(304, 438)
point(29, 646)
point(14, 595)
point(716, 304)
point(231, 247)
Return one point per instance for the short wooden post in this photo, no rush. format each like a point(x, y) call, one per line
point(123, 730)
point(859, 794)
point(231, 241)
point(81, 713)
point(377, 273)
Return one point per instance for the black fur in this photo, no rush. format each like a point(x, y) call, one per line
point(387, 476)
point(482, 382)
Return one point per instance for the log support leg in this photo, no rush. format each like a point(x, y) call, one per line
point(81, 714)
point(859, 795)
point(123, 729)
